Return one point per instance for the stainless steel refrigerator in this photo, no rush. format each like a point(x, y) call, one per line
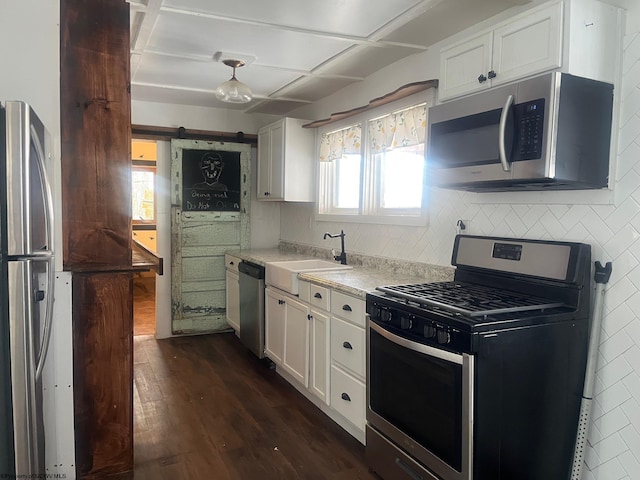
point(27, 274)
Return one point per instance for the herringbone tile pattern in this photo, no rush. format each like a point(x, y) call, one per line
point(613, 230)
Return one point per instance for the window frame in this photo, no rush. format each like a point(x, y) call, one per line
point(369, 210)
point(146, 166)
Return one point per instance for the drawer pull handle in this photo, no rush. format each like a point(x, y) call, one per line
point(345, 396)
point(347, 308)
point(347, 345)
point(317, 295)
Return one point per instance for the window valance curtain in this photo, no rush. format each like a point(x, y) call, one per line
point(400, 129)
point(336, 144)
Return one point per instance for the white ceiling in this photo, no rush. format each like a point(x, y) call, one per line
point(299, 50)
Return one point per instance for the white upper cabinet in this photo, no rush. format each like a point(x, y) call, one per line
point(285, 161)
point(576, 36)
point(464, 67)
point(527, 45)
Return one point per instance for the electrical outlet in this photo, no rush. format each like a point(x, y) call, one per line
point(462, 226)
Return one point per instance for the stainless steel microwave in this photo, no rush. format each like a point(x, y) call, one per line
point(547, 132)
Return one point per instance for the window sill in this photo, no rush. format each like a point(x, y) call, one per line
point(421, 221)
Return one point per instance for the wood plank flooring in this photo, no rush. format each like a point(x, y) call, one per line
point(206, 408)
point(144, 306)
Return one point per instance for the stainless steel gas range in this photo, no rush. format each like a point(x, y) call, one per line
point(481, 378)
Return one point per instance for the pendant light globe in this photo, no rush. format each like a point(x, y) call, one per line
point(233, 90)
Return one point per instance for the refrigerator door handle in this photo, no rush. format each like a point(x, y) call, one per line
point(26, 412)
point(48, 318)
point(48, 195)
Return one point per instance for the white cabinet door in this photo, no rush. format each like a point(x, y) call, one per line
point(276, 187)
point(319, 378)
point(274, 325)
point(264, 163)
point(463, 66)
point(271, 162)
point(529, 45)
point(286, 161)
point(233, 300)
point(296, 340)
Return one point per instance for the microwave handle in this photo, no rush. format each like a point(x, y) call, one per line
point(506, 166)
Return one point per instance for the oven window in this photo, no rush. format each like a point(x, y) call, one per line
point(419, 394)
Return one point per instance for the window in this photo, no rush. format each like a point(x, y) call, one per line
point(143, 173)
point(340, 170)
point(142, 193)
point(374, 170)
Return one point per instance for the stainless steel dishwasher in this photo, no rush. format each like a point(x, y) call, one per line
point(251, 279)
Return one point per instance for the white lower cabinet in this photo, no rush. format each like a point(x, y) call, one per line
point(287, 333)
point(274, 313)
point(320, 355)
point(318, 343)
point(232, 296)
point(348, 348)
point(348, 397)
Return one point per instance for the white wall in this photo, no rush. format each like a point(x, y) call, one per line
point(30, 72)
point(197, 118)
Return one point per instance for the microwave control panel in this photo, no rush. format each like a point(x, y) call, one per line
point(529, 124)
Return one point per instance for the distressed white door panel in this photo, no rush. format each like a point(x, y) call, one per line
point(199, 239)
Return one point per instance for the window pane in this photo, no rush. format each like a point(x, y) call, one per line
point(143, 195)
point(401, 179)
point(347, 192)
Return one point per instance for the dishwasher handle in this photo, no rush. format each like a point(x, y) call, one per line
point(251, 269)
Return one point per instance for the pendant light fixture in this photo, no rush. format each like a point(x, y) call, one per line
point(233, 90)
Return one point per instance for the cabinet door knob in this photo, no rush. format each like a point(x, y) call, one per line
point(317, 295)
point(347, 308)
point(345, 396)
point(309, 317)
point(280, 302)
point(492, 74)
point(482, 78)
point(266, 194)
point(347, 345)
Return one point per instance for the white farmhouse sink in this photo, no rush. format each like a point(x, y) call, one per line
point(284, 275)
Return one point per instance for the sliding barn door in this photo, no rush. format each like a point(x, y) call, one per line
point(210, 200)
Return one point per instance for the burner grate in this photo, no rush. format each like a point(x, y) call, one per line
point(468, 299)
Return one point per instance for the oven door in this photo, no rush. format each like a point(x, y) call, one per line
point(421, 398)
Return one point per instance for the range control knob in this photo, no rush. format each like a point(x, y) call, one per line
point(444, 337)
point(385, 315)
point(405, 323)
point(429, 331)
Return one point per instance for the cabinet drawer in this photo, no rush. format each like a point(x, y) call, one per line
point(348, 347)
point(348, 397)
point(303, 290)
point(231, 262)
point(348, 307)
point(319, 297)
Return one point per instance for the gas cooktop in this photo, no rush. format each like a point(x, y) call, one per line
point(468, 299)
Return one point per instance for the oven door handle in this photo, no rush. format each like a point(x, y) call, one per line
point(417, 347)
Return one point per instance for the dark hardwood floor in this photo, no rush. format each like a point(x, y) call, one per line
point(206, 408)
point(144, 306)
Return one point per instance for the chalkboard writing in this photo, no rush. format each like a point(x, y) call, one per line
point(210, 181)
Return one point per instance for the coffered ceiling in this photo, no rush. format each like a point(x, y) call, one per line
point(297, 51)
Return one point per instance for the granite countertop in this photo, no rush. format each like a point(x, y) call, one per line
point(262, 256)
point(361, 278)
